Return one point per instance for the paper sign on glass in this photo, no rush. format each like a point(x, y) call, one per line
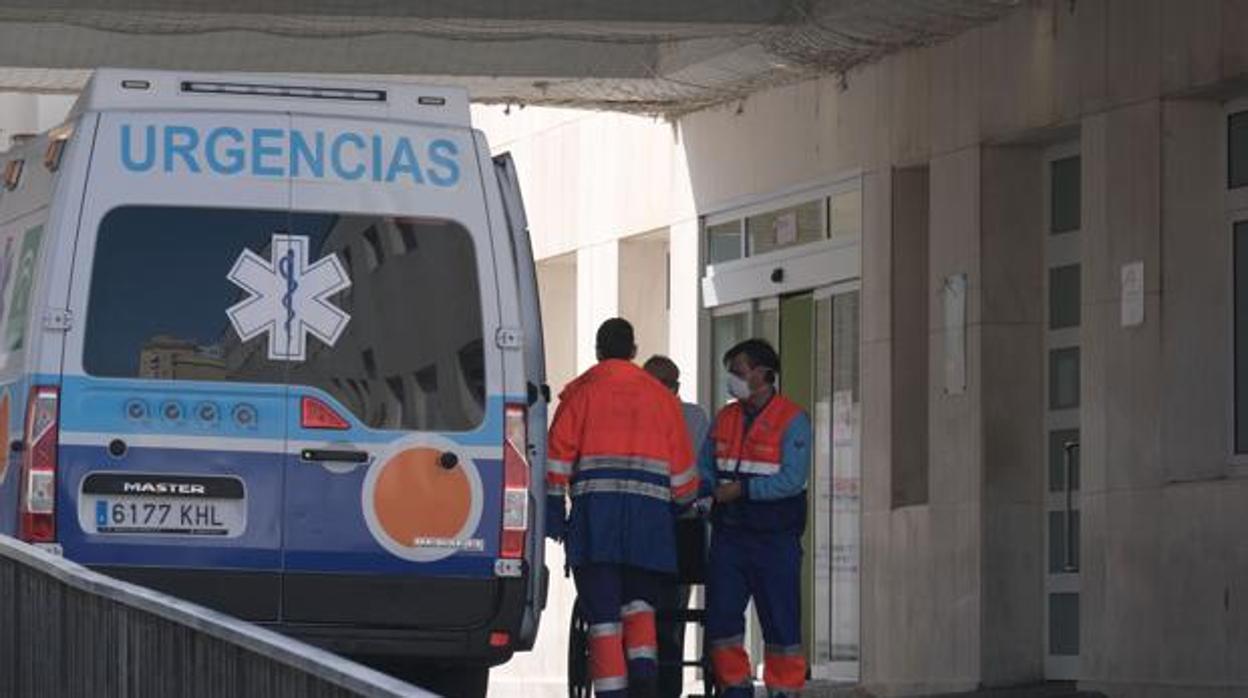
point(786, 228)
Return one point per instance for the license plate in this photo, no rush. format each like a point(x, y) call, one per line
point(174, 505)
point(170, 516)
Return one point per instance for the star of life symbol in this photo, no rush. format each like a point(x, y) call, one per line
point(288, 297)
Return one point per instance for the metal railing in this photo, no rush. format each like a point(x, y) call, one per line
point(66, 631)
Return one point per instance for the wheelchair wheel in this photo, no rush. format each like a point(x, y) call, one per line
point(579, 683)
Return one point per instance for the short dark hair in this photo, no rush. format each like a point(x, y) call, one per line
point(664, 370)
point(758, 352)
point(615, 339)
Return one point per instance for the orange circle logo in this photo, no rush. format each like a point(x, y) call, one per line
point(420, 510)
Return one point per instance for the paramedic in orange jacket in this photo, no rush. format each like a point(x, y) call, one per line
point(755, 465)
point(618, 446)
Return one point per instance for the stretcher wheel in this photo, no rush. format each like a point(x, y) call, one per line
point(579, 683)
point(709, 689)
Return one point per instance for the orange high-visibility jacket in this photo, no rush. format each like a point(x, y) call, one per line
point(746, 453)
point(619, 447)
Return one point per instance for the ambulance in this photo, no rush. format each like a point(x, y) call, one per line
point(273, 345)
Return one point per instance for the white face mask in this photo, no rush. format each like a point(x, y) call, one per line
point(737, 387)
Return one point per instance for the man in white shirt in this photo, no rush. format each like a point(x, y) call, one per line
point(674, 598)
point(666, 372)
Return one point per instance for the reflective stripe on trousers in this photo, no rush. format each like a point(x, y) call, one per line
point(640, 635)
point(730, 662)
point(784, 667)
point(618, 602)
point(607, 668)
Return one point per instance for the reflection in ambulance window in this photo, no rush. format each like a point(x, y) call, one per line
point(411, 356)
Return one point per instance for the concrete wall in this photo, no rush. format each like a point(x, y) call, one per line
point(591, 178)
point(1164, 567)
point(26, 114)
point(952, 589)
point(952, 594)
point(556, 282)
point(644, 293)
point(1013, 392)
point(612, 190)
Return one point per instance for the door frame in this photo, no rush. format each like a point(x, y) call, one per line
point(1060, 250)
point(821, 599)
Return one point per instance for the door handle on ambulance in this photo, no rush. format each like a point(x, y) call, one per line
point(326, 455)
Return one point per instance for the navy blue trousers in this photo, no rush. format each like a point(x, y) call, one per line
point(619, 603)
point(767, 568)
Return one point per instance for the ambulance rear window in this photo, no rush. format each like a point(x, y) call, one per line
point(382, 313)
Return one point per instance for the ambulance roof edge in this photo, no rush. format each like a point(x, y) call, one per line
point(116, 89)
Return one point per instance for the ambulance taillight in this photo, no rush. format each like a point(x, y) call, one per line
point(515, 482)
point(38, 481)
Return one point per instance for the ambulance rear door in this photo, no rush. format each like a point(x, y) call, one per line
point(393, 499)
point(172, 424)
point(537, 391)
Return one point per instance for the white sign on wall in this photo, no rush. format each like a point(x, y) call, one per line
point(1133, 294)
point(953, 301)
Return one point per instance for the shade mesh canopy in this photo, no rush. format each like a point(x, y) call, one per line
point(650, 56)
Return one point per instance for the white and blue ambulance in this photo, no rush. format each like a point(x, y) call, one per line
point(273, 345)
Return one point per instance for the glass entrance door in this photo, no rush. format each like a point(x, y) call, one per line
point(816, 335)
point(835, 486)
point(819, 371)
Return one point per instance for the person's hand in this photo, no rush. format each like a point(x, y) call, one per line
point(728, 492)
point(694, 509)
point(556, 518)
point(702, 506)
